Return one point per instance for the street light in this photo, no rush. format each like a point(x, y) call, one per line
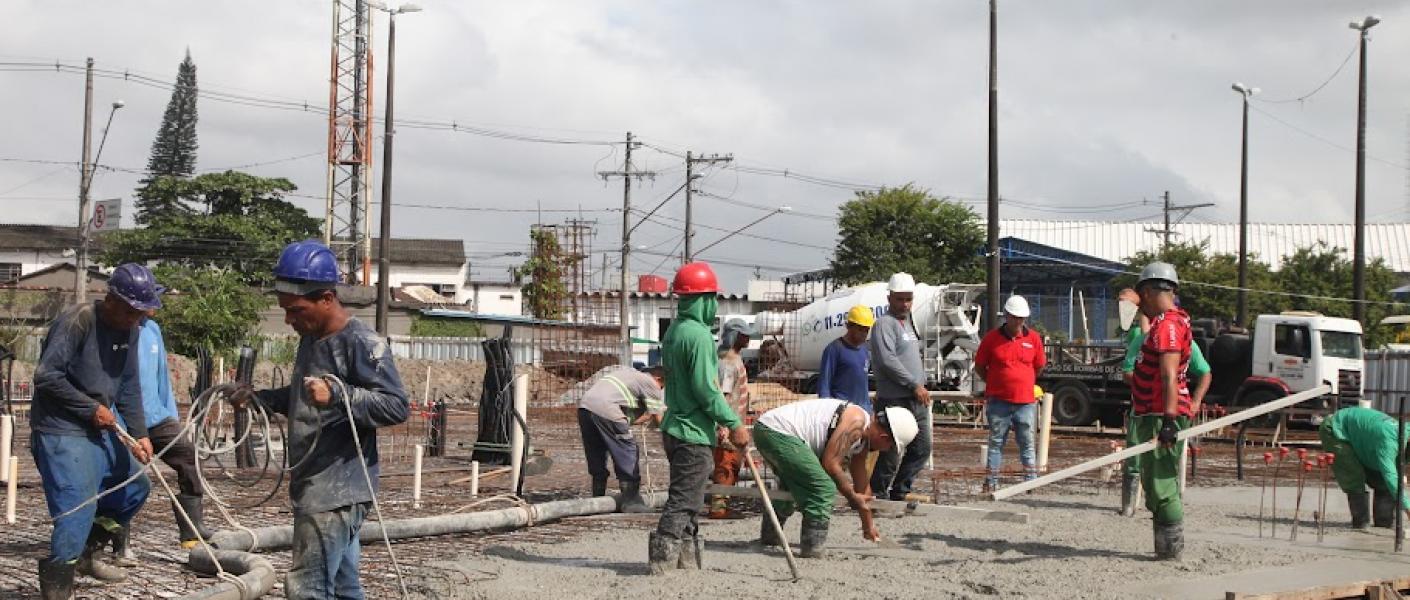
point(80, 278)
point(1242, 320)
point(384, 265)
point(781, 209)
point(1358, 273)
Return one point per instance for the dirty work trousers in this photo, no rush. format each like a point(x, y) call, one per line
point(799, 472)
point(1160, 470)
point(1351, 475)
point(181, 457)
point(75, 468)
point(603, 437)
point(690, 471)
point(326, 554)
point(895, 473)
point(1131, 466)
point(1020, 418)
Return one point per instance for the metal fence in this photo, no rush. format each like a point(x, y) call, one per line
point(1387, 379)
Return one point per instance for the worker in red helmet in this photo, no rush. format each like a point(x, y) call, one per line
point(694, 408)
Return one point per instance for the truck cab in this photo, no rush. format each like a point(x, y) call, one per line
point(1297, 351)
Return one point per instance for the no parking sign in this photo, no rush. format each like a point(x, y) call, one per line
point(106, 215)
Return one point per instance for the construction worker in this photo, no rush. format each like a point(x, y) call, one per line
point(694, 408)
point(1009, 359)
point(341, 365)
point(809, 444)
point(734, 384)
point(1161, 403)
point(86, 370)
point(1364, 442)
point(900, 381)
point(842, 372)
point(1198, 370)
point(606, 429)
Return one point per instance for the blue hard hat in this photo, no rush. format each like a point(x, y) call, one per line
point(305, 267)
point(136, 285)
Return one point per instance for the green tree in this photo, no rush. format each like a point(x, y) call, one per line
point(423, 326)
point(209, 308)
point(174, 149)
point(907, 229)
point(1209, 280)
point(1322, 270)
point(544, 291)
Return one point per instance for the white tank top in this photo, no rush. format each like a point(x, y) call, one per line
point(808, 420)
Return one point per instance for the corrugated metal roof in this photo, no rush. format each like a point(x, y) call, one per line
point(1116, 241)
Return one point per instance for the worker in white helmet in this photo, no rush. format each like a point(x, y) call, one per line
point(900, 382)
point(1009, 360)
point(810, 444)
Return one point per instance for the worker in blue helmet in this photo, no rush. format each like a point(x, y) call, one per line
point(87, 370)
point(328, 487)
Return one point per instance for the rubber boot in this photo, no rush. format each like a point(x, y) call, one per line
point(56, 580)
point(122, 551)
point(1129, 484)
point(662, 553)
point(1169, 540)
point(1383, 509)
point(192, 506)
point(599, 487)
point(814, 539)
point(632, 502)
point(768, 536)
point(691, 551)
point(90, 564)
point(1360, 504)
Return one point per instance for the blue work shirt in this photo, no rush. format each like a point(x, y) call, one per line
point(157, 402)
point(83, 364)
point(843, 374)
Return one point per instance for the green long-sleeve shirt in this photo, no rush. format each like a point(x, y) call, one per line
point(1199, 367)
point(694, 403)
point(1372, 436)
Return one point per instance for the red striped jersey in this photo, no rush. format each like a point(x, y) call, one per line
point(1170, 332)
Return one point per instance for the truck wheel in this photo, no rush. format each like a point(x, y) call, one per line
point(1072, 404)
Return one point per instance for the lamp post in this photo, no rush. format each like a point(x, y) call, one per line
point(80, 276)
point(384, 265)
point(1245, 92)
point(1358, 272)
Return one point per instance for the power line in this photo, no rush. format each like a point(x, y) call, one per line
point(725, 230)
point(1322, 139)
point(1314, 91)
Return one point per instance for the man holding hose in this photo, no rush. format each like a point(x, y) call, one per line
point(329, 489)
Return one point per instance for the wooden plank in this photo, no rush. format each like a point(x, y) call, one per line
point(1373, 590)
point(889, 507)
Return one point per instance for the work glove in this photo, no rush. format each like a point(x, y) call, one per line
point(1168, 430)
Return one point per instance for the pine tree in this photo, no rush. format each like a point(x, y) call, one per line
point(173, 151)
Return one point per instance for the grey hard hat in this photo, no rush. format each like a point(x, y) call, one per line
point(1159, 271)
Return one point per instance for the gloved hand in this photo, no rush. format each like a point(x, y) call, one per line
point(1168, 430)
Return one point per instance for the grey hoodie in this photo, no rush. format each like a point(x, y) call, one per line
point(895, 356)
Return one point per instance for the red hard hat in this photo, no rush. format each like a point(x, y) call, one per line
point(695, 278)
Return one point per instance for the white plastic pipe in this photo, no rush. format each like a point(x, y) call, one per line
point(7, 435)
point(984, 455)
point(474, 479)
point(416, 477)
point(930, 427)
point(516, 431)
point(1045, 422)
point(12, 470)
point(1137, 450)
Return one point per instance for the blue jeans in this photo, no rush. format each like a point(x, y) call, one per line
point(603, 438)
point(326, 553)
point(75, 468)
point(1004, 416)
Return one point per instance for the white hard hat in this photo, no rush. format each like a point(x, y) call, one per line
point(1017, 307)
point(901, 282)
point(902, 425)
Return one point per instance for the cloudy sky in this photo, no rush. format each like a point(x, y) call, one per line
point(1104, 104)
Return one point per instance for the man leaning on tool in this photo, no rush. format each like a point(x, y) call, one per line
point(328, 486)
point(1009, 359)
point(900, 381)
point(86, 368)
point(1364, 441)
point(694, 408)
point(607, 430)
point(1160, 401)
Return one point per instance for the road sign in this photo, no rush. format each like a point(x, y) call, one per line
point(107, 215)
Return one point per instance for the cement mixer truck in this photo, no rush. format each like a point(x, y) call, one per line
point(946, 317)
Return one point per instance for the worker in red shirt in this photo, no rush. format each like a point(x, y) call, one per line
point(1161, 405)
point(1009, 360)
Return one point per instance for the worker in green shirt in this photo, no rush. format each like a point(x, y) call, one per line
point(1365, 443)
point(1198, 369)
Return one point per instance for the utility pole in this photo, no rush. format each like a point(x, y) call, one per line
point(85, 177)
point(690, 161)
point(384, 233)
point(992, 287)
point(1242, 318)
point(1170, 209)
point(1358, 265)
point(627, 173)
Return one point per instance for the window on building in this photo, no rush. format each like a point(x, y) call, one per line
point(9, 272)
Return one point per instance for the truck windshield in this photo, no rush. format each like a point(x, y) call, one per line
point(1341, 344)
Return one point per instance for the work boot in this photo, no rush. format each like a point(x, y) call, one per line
point(1169, 540)
point(599, 487)
point(813, 539)
point(691, 550)
point(768, 536)
point(632, 502)
point(55, 580)
point(1383, 509)
point(1360, 504)
point(662, 553)
point(90, 563)
point(192, 506)
point(122, 552)
point(1129, 483)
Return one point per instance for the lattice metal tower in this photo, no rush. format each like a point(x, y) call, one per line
point(345, 225)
